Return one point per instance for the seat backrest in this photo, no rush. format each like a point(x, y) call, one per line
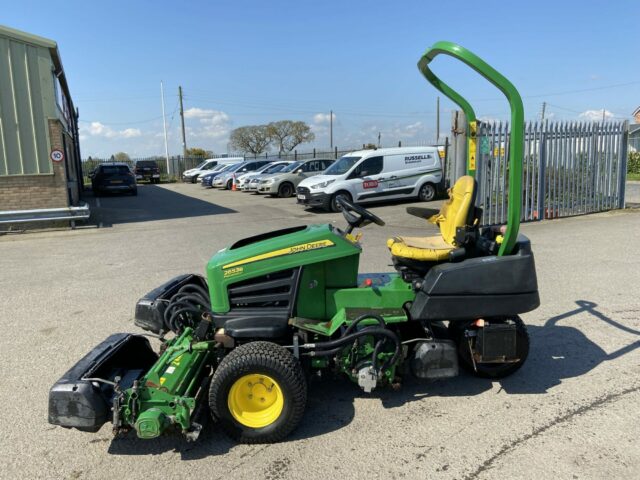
point(457, 211)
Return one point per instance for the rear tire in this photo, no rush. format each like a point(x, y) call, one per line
point(334, 205)
point(285, 190)
point(491, 370)
point(258, 393)
point(427, 192)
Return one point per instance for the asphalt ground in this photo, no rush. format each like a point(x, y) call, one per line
point(570, 412)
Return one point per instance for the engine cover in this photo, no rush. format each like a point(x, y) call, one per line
point(435, 359)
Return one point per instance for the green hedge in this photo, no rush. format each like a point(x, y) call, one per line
point(633, 165)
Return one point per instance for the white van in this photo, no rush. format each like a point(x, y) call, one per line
point(374, 175)
point(206, 166)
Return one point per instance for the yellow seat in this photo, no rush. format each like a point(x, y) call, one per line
point(454, 214)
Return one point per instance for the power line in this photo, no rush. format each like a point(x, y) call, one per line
point(122, 123)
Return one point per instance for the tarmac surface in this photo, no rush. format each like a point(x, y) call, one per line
point(571, 412)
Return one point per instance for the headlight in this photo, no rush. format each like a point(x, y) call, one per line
point(271, 180)
point(322, 185)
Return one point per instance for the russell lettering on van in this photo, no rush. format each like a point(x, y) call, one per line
point(416, 158)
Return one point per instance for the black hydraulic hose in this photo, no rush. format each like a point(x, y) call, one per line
point(197, 288)
point(355, 323)
point(376, 351)
point(333, 347)
point(374, 331)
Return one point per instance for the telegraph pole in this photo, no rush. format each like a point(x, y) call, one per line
point(331, 128)
point(603, 111)
point(164, 122)
point(184, 140)
point(437, 119)
point(544, 108)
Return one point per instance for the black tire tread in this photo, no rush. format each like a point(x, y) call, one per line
point(244, 360)
point(288, 184)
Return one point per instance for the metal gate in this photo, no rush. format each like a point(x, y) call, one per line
point(568, 169)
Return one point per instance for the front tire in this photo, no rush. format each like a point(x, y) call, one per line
point(427, 192)
point(285, 190)
point(334, 205)
point(258, 393)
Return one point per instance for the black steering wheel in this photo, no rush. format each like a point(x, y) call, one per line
point(356, 216)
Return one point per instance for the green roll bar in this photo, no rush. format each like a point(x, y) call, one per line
point(516, 137)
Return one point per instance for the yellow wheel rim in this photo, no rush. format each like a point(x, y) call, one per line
point(255, 400)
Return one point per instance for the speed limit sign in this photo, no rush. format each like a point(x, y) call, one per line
point(57, 156)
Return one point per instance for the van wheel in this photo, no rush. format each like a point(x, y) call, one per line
point(335, 206)
point(427, 192)
point(285, 190)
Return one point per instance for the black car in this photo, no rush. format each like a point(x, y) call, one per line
point(147, 170)
point(113, 177)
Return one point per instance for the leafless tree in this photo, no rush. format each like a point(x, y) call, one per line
point(253, 139)
point(287, 134)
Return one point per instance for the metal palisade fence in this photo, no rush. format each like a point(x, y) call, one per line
point(568, 169)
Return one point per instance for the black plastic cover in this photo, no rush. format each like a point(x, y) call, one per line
point(479, 287)
point(85, 404)
point(150, 308)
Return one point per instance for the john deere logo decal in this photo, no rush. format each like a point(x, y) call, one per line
point(303, 247)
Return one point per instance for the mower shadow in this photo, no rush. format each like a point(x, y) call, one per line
point(557, 353)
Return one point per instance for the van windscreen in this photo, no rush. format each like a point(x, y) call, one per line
point(342, 166)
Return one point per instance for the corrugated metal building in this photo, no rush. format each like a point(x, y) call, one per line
point(39, 152)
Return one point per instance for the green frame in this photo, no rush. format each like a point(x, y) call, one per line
point(516, 137)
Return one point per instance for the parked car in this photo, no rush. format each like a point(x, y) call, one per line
point(147, 170)
point(207, 178)
point(371, 175)
point(243, 181)
point(284, 183)
point(206, 166)
point(215, 170)
point(225, 181)
point(113, 177)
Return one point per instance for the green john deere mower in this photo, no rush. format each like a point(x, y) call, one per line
point(278, 307)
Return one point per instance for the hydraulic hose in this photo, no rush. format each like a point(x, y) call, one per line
point(355, 323)
point(332, 347)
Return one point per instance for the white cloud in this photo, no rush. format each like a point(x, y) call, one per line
point(323, 118)
point(97, 129)
point(595, 115)
point(130, 133)
point(212, 123)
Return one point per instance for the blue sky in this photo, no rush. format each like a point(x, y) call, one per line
point(249, 62)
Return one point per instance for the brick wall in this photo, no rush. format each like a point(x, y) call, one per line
point(26, 192)
point(637, 117)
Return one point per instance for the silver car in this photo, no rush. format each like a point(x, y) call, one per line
point(284, 183)
point(249, 181)
point(227, 179)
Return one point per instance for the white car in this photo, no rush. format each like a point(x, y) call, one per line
point(226, 179)
point(243, 181)
point(374, 175)
point(207, 166)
